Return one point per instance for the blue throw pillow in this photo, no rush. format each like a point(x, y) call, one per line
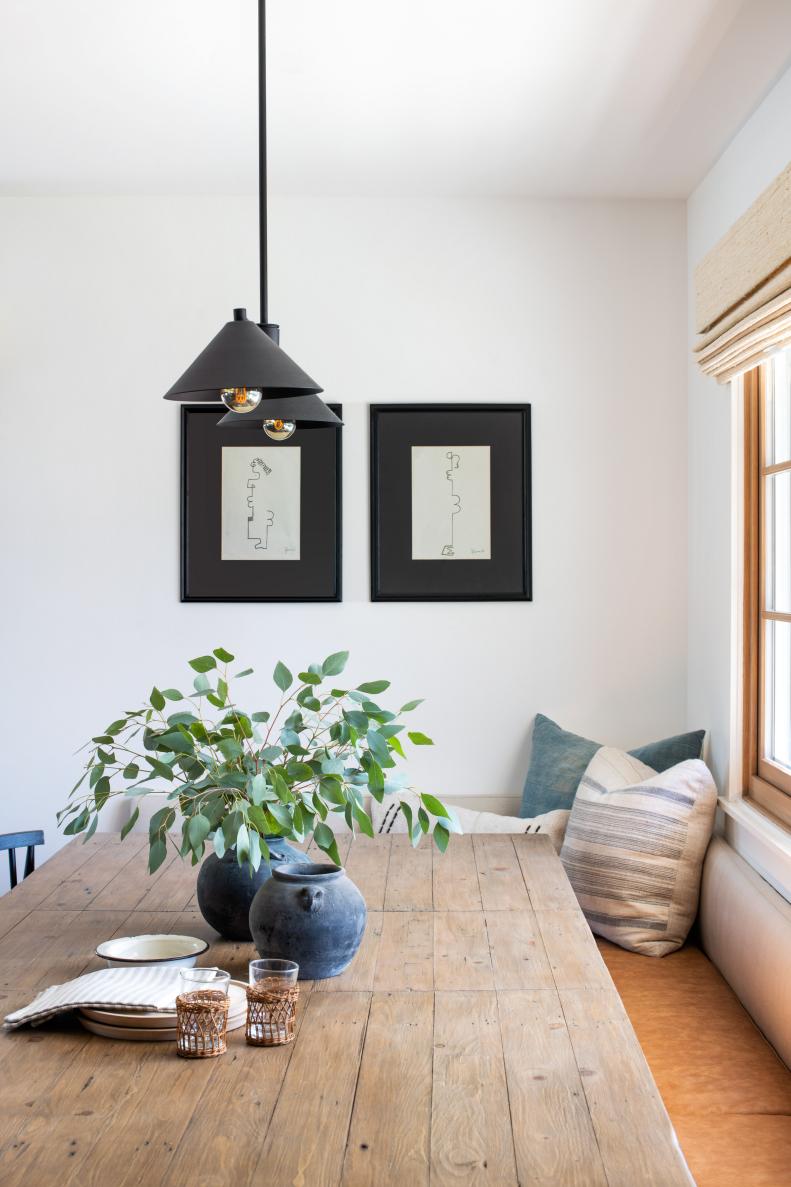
point(559, 760)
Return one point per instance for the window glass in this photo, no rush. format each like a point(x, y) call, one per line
point(778, 409)
point(777, 744)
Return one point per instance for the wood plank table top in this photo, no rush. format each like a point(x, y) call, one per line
point(476, 1038)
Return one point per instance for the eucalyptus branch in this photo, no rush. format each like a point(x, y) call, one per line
point(248, 796)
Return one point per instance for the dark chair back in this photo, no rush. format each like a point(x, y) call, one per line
point(14, 841)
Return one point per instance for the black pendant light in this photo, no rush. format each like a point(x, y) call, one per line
point(243, 366)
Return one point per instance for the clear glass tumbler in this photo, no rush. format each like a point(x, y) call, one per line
point(272, 1001)
point(204, 978)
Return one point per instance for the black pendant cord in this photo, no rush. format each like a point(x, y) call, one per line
point(262, 180)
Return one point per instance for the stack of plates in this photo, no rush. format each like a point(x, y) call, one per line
point(135, 1026)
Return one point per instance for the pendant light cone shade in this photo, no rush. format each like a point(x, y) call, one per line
point(307, 412)
point(241, 355)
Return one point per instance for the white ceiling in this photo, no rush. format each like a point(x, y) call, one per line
point(502, 97)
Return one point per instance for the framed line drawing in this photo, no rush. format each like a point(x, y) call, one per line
point(450, 502)
point(260, 520)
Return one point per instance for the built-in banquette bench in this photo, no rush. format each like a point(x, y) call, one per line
point(726, 1088)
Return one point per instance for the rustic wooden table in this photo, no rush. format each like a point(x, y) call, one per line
point(476, 1038)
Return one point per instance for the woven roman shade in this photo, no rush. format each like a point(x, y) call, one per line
point(743, 287)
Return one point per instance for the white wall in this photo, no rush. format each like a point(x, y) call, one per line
point(757, 154)
point(577, 307)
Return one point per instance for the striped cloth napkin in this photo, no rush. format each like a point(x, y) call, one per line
point(144, 988)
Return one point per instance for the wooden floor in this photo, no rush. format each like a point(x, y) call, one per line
point(477, 1038)
point(727, 1091)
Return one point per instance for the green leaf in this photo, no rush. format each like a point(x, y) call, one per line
point(379, 748)
point(103, 739)
point(374, 686)
point(395, 744)
point(157, 700)
point(441, 837)
point(363, 820)
point(172, 694)
point(257, 817)
point(204, 663)
point(79, 781)
point(198, 828)
point(332, 791)
point(390, 731)
point(101, 792)
point(410, 705)
point(281, 814)
point(325, 839)
point(160, 768)
point(299, 771)
point(96, 774)
point(161, 821)
point(257, 788)
point(435, 806)
point(281, 788)
point(282, 677)
point(177, 742)
point(78, 823)
point(310, 677)
point(357, 720)
point(260, 717)
point(334, 664)
point(413, 827)
point(223, 656)
point(201, 683)
point(218, 840)
point(246, 672)
point(116, 726)
point(419, 739)
point(230, 827)
point(92, 829)
point(183, 718)
point(254, 857)
point(376, 779)
point(244, 724)
point(107, 759)
point(157, 853)
point(229, 748)
point(131, 822)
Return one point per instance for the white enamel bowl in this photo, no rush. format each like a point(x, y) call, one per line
point(178, 951)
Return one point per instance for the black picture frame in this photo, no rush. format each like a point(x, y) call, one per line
point(205, 576)
point(395, 575)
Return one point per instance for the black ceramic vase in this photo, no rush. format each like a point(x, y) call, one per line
point(312, 914)
point(226, 889)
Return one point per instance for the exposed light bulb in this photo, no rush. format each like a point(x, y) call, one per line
point(241, 399)
point(279, 430)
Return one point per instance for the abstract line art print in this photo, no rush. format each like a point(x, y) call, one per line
point(451, 502)
point(260, 503)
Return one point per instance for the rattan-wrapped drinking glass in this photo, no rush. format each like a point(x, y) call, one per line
point(271, 1013)
point(201, 1023)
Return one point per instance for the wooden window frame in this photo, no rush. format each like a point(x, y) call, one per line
point(766, 784)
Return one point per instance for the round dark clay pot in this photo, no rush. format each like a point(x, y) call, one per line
point(312, 914)
point(226, 890)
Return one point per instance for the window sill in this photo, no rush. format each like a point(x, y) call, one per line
point(763, 844)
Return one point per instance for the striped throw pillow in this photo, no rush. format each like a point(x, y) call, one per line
point(634, 849)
